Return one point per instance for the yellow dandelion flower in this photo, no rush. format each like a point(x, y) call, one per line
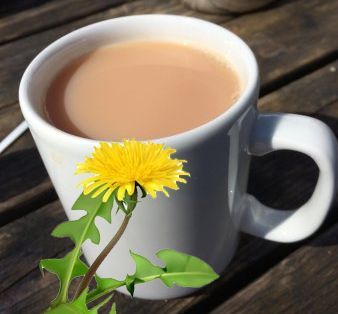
point(122, 166)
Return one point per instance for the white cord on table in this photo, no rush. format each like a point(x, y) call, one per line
point(13, 136)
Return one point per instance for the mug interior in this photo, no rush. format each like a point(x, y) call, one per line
point(186, 30)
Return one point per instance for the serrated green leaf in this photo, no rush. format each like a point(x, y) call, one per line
point(89, 204)
point(145, 270)
point(103, 287)
point(65, 268)
point(79, 231)
point(78, 306)
point(74, 229)
point(185, 270)
point(181, 269)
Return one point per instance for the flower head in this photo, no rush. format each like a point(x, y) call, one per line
point(123, 166)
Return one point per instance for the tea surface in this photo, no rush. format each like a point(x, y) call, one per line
point(141, 90)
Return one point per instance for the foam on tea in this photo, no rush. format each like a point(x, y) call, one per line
point(140, 90)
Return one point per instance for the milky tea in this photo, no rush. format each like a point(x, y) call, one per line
point(141, 90)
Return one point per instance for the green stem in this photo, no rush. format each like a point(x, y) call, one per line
point(77, 251)
point(92, 296)
point(93, 268)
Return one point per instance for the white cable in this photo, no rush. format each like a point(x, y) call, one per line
point(13, 136)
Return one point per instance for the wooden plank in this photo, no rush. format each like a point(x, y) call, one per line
point(266, 178)
point(9, 6)
point(291, 40)
point(24, 185)
point(307, 95)
point(29, 294)
point(49, 14)
point(24, 243)
point(330, 111)
point(305, 282)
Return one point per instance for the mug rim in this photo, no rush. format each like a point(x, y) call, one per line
point(36, 122)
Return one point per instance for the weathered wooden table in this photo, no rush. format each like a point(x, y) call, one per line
point(296, 43)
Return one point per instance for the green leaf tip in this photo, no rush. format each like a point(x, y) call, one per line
point(180, 269)
point(185, 270)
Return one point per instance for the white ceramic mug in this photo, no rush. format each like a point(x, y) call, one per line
point(205, 216)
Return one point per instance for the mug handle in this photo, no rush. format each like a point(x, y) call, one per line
point(307, 135)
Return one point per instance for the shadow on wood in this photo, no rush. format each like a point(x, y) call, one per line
point(285, 179)
point(24, 184)
point(12, 6)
